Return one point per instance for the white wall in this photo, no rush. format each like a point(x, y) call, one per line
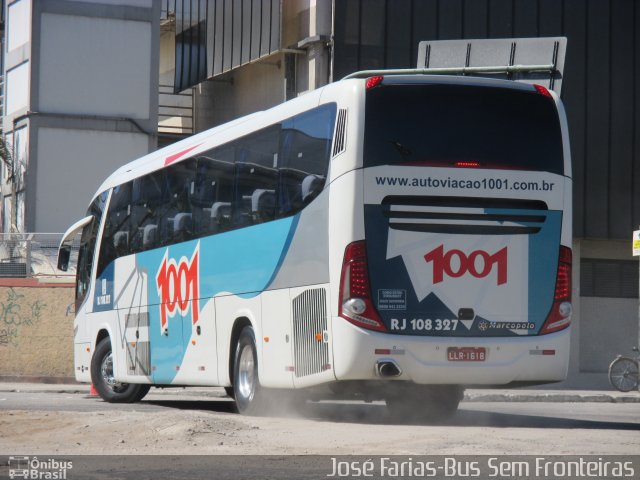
point(71, 166)
point(17, 89)
point(18, 24)
point(167, 57)
point(97, 66)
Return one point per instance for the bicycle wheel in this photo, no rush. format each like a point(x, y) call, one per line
point(623, 374)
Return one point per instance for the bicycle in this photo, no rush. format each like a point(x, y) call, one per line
point(623, 372)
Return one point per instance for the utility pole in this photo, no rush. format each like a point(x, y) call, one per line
point(636, 253)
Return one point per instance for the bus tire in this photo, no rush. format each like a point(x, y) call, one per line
point(247, 391)
point(433, 403)
point(102, 378)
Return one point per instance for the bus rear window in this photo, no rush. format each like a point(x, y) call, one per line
point(462, 125)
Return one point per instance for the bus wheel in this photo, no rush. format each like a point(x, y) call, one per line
point(433, 403)
point(103, 379)
point(246, 384)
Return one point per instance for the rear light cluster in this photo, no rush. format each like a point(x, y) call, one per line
point(373, 81)
point(543, 91)
point(560, 316)
point(467, 164)
point(356, 305)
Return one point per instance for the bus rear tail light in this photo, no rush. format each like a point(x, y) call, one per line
point(467, 164)
point(560, 316)
point(374, 81)
point(543, 90)
point(356, 305)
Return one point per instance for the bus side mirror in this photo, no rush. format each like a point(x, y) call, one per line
point(64, 250)
point(64, 254)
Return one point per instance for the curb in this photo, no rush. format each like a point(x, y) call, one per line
point(560, 397)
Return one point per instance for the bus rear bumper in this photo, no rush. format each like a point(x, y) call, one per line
point(425, 360)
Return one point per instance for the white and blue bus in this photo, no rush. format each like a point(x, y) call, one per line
point(390, 238)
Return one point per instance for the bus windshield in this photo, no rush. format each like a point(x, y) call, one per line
point(462, 125)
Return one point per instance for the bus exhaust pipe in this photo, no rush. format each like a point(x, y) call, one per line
point(387, 369)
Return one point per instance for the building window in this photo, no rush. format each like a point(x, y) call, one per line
point(608, 278)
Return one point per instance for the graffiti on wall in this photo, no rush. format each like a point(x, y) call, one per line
point(16, 315)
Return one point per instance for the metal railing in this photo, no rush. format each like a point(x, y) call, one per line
point(167, 9)
point(175, 111)
point(33, 255)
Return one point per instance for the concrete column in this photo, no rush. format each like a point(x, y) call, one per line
point(317, 44)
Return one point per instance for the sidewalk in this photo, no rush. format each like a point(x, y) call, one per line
point(471, 395)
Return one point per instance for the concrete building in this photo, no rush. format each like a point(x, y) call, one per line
point(81, 90)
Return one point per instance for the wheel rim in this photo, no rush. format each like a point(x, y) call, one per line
point(246, 373)
point(106, 370)
point(624, 375)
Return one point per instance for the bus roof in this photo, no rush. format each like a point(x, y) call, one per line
point(228, 131)
point(204, 141)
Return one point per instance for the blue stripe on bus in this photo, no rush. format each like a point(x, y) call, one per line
point(544, 249)
point(241, 262)
point(543, 262)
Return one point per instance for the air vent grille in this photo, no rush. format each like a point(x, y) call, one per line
point(310, 332)
point(340, 141)
point(465, 216)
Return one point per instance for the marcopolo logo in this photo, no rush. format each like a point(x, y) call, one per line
point(178, 287)
point(455, 263)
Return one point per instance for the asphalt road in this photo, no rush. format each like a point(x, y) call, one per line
point(617, 416)
point(169, 425)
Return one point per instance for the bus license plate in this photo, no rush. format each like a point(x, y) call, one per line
point(466, 354)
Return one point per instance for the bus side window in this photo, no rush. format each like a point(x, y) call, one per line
point(256, 177)
point(255, 194)
point(213, 191)
point(116, 236)
point(305, 149)
point(87, 250)
point(201, 195)
point(290, 191)
point(176, 217)
point(310, 187)
point(147, 205)
point(260, 148)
